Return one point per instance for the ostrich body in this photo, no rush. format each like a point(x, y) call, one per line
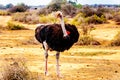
point(58, 37)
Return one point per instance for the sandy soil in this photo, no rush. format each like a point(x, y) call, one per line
point(20, 45)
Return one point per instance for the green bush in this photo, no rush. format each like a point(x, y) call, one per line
point(116, 40)
point(77, 20)
point(18, 8)
point(13, 26)
point(47, 19)
point(96, 19)
point(87, 40)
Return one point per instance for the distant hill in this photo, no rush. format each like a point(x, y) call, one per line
point(31, 7)
point(105, 5)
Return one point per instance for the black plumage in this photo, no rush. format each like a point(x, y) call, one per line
point(53, 35)
point(58, 37)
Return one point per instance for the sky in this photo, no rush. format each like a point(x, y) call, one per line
point(45, 2)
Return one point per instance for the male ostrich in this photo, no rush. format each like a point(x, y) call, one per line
point(58, 37)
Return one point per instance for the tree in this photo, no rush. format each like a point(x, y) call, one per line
point(2, 6)
point(58, 1)
point(19, 8)
point(9, 5)
point(69, 9)
point(74, 3)
point(55, 5)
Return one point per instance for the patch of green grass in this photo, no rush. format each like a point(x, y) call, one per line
point(94, 53)
point(87, 40)
point(96, 19)
point(99, 53)
point(47, 19)
point(77, 20)
point(14, 26)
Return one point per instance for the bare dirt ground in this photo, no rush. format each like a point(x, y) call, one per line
point(21, 45)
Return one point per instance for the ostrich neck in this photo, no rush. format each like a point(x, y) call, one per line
point(63, 27)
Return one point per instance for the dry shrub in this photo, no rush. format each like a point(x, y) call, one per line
point(4, 12)
point(103, 10)
point(47, 10)
point(69, 9)
point(18, 70)
point(32, 19)
point(26, 17)
point(117, 17)
point(2, 27)
point(117, 23)
point(30, 41)
point(43, 11)
point(88, 11)
point(86, 29)
point(116, 40)
point(108, 16)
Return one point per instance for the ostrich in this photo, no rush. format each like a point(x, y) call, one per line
point(58, 37)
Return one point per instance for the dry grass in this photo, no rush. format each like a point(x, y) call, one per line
point(116, 40)
point(4, 13)
point(75, 64)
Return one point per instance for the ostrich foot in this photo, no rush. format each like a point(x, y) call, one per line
point(46, 74)
point(59, 76)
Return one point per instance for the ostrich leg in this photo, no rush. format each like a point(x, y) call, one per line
point(46, 57)
point(57, 62)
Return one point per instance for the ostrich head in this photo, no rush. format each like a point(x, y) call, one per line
point(59, 14)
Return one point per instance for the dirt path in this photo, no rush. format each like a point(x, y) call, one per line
point(4, 20)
